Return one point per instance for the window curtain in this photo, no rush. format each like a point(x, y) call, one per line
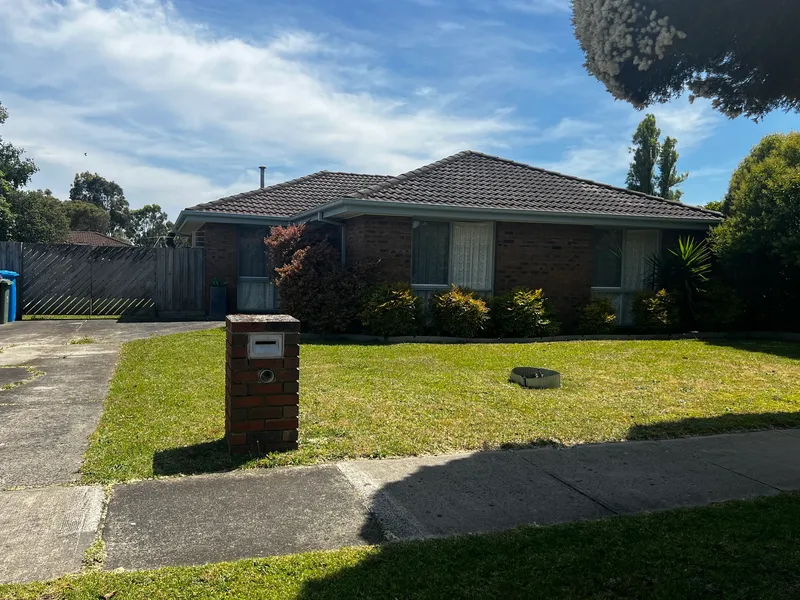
point(472, 255)
point(256, 295)
point(431, 252)
point(640, 246)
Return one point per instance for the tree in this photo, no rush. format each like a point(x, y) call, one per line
point(714, 205)
point(15, 170)
point(649, 152)
point(6, 220)
point(38, 217)
point(641, 176)
point(668, 177)
point(148, 226)
point(84, 216)
point(105, 194)
point(741, 54)
point(758, 244)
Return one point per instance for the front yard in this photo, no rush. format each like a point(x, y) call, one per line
point(165, 410)
point(736, 550)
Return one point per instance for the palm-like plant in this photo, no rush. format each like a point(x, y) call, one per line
point(683, 271)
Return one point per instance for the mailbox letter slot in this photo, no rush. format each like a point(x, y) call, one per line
point(265, 345)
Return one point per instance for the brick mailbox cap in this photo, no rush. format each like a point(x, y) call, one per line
point(261, 319)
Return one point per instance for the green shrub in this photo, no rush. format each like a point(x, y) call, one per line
point(598, 317)
point(523, 313)
point(719, 307)
point(656, 312)
point(459, 312)
point(392, 309)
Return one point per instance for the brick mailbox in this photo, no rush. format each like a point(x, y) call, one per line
point(262, 361)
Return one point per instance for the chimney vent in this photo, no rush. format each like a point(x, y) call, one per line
point(263, 171)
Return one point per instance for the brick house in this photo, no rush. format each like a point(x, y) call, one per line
point(472, 219)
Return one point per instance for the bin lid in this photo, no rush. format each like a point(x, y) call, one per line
point(5, 282)
point(8, 274)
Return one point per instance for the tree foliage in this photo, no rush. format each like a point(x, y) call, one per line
point(105, 194)
point(15, 170)
point(758, 244)
point(654, 169)
point(38, 217)
point(743, 55)
point(149, 226)
point(84, 216)
point(6, 220)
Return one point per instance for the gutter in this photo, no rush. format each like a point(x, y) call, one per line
point(217, 217)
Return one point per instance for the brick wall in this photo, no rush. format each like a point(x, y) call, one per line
point(384, 239)
point(222, 255)
point(557, 258)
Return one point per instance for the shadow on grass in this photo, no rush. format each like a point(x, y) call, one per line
point(721, 551)
point(208, 457)
point(785, 349)
point(701, 426)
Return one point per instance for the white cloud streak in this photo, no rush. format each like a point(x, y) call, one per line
point(177, 115)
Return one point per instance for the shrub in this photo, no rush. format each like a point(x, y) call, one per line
point(719, 307)
point(598, 317)
point(283, 242)
point(392, 309)
point(317, 289)
point(656, 312)
point(522, 312)
point(459, 312)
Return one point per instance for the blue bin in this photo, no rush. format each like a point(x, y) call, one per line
point(12, 306)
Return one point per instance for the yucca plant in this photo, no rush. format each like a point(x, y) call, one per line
point(683, 271)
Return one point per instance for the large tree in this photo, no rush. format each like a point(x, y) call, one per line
point(149, 226)
point(84, 216)
point(654, 167)
point(15, 170)
point(742, 54)
point(38, 217)
point(758, 244)
point(105, 194)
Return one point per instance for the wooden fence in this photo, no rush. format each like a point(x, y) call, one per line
point(108, 280)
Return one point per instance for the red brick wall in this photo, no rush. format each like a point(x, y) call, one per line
point(384, 239)
point(557, 258)
point(222, 255)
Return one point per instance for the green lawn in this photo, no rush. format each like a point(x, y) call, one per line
point(734, 551)
point(164, 413)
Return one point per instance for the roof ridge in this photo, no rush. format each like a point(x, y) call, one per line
point(365, 192)
point(592, 182)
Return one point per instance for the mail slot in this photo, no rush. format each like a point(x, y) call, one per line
point(265, 345)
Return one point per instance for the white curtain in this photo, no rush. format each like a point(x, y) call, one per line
point(640, 246)
point(471, 260)
point(257, 296)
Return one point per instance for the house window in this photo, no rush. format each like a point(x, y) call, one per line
point(199, 238)
point(255, 290)
point(622, 266)
point(452, 253)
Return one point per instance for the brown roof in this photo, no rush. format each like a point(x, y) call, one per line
point(92, 238)
point(292, 197)
point(476, 180)
point(465, 180)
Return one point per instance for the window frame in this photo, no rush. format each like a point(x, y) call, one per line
point(435, 287)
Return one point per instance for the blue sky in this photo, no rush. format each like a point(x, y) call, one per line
point(180, 102)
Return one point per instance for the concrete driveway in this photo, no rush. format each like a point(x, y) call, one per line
point(45, 422)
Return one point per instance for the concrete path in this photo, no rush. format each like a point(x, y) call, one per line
point(51, 399)
point(202, 519)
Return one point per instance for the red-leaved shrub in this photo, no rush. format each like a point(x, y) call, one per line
point(283, 242)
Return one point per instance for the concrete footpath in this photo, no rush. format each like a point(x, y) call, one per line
point(200, 519)
point(211, 518)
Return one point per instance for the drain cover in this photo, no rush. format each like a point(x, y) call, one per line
point(536, 379)
point(11, 375)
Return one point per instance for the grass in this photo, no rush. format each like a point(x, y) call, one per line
point(735, 551)
point(82, 340)
point(165, 414)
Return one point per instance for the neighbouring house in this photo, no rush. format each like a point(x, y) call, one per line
point(92, 238)
point(472, 219)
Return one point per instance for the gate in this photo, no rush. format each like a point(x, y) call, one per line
point(106, 280)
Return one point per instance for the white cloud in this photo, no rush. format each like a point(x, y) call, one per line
point(176, 114)
point(599, 161)
point(536, 7)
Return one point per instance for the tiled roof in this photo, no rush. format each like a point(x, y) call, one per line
point(476, 180)
point(92, 238)
point(292, 197)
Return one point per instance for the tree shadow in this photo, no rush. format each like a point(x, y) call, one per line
point(783, 348)
point(472, 525)
point(207, 457)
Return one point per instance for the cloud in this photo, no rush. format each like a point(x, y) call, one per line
point(536, 7)
point(177, 114)
point(601, 161)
